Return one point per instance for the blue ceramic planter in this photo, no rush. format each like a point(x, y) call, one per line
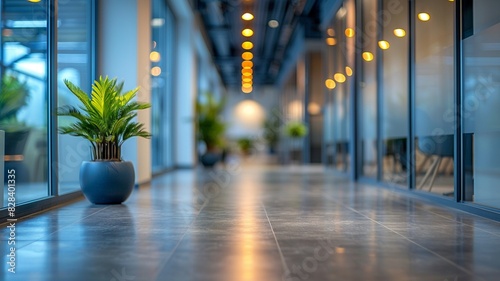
point(209, 159)
point(107, 182)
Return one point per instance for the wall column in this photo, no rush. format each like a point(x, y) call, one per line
point(124, 44)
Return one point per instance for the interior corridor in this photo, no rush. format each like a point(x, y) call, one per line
point(248, 223)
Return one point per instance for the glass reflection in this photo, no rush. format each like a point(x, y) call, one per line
point(162, 87)
point(434, 98)
point(23, 98)
point(337, 102)
point(368, 92)
point(75, 64)
point(481, 102)
point(394, 97)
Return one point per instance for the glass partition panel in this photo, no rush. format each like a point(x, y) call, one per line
point(161, 56)
point(367, 107)
point(394, 91)
point(74, 60)
point(481, 102)
point(23, 100)
point(339, 82)
point(434, 96)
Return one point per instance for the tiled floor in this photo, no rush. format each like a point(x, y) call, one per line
point(246, 223)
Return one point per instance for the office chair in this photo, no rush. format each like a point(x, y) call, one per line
point(438, 146)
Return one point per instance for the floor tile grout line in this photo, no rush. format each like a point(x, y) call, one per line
point(59, 229)
point(415, 243)
point(169, 257)
point(285, 266)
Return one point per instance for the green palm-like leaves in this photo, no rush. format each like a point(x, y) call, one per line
point(14, 95)
point(210, 126)
point(105, 118)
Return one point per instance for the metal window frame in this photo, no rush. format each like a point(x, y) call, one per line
point(411, 164)
point(459, 179)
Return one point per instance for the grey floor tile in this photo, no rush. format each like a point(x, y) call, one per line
point(255, 224)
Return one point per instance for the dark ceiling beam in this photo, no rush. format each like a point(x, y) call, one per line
point(226, 60)
point(273, 34)
point(218, 28)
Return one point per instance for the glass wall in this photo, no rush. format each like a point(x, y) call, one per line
point(481, 102)
point(394, 91)
point(385, 60)
point(434, 96)
point(162, 54)
point(24, 97)
point(339, 83)
point(74, 58)
point(367, 46)
point(25, 111)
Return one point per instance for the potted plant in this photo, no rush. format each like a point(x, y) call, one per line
point(106, 119)
point(211, 128)
point(271, 132)
point(245, 144)
point(295, 130)
point(14, 95)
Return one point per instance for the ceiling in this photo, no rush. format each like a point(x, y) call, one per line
point(223, 25)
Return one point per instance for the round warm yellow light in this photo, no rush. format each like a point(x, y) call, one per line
point(367, 56)
point(247, 16)
point(247, 32)
point(349, 32)
point(247, 45)
point(154, 56)
point(34, 1)
point(384, 45)
point(424, 17)
point(247, 74)
point(156, 71)
point(330, 84)
point(331, 41)
point(330, 32)
point(348, 71)
point(247, 56)
point(246, 90)
point(399, 32)
point(247, 70)
point(313, 108)
point(339, 77)
point(246, 85)
point(246, 79)
point(247, 64)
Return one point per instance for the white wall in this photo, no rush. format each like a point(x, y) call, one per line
point(125, 55)
point(194, 74)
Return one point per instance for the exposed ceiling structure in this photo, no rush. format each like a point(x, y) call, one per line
point(224, 24)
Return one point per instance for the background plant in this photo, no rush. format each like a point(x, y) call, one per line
point(105, 118)
point(271, 128)
point(211, 128)
point(295, 129)
point(14, 95)
point(245, 144)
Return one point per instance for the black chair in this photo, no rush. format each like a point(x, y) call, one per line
point(439, 147)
